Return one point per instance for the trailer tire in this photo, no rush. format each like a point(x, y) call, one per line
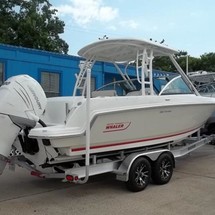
point(163, 169)
point(139, 175)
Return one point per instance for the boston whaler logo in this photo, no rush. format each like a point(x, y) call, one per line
point(116, 126)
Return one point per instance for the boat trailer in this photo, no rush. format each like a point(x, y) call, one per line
point(136, 167)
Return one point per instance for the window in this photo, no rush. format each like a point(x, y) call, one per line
point(1, 73)
point(50, 83)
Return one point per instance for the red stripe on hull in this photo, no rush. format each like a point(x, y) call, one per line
point(132, 141)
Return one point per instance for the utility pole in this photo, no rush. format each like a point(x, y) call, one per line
point(187, 69)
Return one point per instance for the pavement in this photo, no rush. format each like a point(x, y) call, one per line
point(190, 191)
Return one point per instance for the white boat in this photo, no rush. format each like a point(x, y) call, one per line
point(46, 129)
point(204, 82)
point(200, 78)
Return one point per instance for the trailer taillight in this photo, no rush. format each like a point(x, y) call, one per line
point(38, 174)
point(69, 178)
point(72, 178)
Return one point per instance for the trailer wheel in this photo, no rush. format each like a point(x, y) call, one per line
point(139, 175)
point(163, 169)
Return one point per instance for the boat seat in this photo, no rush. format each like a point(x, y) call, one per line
point(103, 93)
point(139, 92)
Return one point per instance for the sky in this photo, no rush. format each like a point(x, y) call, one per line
point(186, 25)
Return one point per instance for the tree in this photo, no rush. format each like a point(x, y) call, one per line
point(194, 63)
point(164, 63)
point(207, 62)
point(31, 23)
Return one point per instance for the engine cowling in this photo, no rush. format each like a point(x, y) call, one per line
point(22, 96)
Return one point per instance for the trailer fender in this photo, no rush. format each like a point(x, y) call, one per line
point(122, 172)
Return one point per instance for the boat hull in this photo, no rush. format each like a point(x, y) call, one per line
point(123, 128)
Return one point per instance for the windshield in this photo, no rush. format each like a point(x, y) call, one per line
point(162, 86)
point(176, 86)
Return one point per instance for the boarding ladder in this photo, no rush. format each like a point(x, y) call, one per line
point(81, 82)
point(144, 70)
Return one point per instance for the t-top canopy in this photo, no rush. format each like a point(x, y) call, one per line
point(119, 50)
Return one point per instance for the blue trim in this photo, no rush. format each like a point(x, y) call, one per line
point(36, 51)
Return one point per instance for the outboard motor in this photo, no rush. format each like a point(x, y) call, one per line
point(22, 102)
